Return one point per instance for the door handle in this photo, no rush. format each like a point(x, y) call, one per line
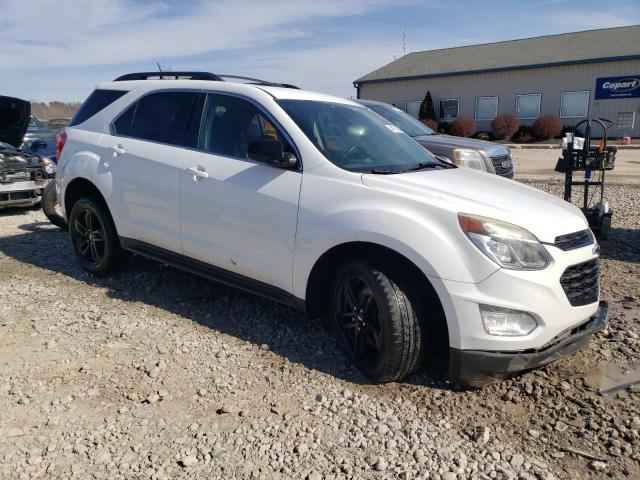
point(117, 150)
point(197, 173)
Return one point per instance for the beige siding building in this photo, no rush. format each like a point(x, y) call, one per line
point(573, 76)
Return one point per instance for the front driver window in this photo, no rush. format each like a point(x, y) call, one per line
point(230, 123)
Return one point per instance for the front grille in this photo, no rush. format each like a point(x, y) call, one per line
point(497, 165)
point(574, 240)
point(581, 283)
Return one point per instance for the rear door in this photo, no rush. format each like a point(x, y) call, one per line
point(239, 214)
point(146, 145)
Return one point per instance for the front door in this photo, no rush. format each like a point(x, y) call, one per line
point(238, 214)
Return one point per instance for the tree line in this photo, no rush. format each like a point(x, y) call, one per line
point(54, 109)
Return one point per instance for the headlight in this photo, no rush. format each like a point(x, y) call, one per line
point(506, 322)
point(464, 157)
point(49, 166)
point(508, 245)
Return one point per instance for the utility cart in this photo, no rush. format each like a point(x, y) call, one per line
point(594, 160)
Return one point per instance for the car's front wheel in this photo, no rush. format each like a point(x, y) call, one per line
point(94, 238)
point(375, 317)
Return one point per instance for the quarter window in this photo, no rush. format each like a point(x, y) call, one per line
point(35, 123)
point(574, 104)
point(230, 123)
point(486, 108)
point(122, 125)
point(449, 109)
point(528, 106)
point(96, 102)
point(160, 117)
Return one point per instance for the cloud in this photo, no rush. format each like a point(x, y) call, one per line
point(569, 20)
point(61, 49)
point(103, 32)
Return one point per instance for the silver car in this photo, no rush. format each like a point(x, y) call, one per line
point(466, 152)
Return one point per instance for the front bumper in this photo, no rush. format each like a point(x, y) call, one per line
point(475, 368)
point(21, 194)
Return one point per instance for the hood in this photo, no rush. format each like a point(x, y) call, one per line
point(14, 120)
point(463, 190)
point(492, 149)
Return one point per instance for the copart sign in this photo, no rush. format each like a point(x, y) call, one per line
point(618, 87)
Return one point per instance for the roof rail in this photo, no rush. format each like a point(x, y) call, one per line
point(260, 82)
point(168, 76)
point(197, 76)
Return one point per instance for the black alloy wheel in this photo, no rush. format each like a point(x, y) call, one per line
point(376, 320)
point(89, 237)
point(357, 315)
point(94, 237)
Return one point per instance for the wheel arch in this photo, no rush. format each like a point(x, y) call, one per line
point(81, 187)
point(78, 188)
point(318, 294)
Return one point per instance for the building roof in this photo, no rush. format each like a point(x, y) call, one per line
point(590, 46)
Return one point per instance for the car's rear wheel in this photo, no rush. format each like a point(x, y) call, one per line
point(94, 238)
point(375, 317)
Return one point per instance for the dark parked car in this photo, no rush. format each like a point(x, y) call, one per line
point(466, 152)
point(37, 131)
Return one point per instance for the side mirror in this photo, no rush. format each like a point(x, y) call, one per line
point(271, 151)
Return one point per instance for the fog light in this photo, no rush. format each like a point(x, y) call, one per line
point(506, 322)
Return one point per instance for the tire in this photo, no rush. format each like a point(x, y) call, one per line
point(605, 226)
point(49, 204)
point(94, 238)
point(375, 318)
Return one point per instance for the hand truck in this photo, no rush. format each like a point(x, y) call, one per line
point(598, 158)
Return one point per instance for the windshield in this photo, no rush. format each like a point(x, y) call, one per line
point(403, 121)
point(356, 139)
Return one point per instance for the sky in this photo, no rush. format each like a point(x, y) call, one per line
point(60, 49)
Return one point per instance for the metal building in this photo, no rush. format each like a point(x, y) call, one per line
point(594, 73)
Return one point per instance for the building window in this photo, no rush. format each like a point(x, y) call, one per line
point(486, 108)
point(449, 109)
point(528, 106)
point(625, 120)
point(574, 104)
point(413, 108)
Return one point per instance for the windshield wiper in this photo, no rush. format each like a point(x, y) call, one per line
point(384, 171)
point(426, 165)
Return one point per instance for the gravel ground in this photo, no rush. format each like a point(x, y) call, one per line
point(155, 373)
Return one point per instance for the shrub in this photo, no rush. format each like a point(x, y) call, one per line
point(463, 127)
point(504, 126)
point(524, 134)
point(444, 128)
point(431, 123)
point(427, 112)
point(547, 127)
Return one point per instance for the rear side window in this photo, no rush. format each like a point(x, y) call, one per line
point(160, 117)
point(97, 101)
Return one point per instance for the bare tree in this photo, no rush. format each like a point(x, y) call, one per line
point(54, 109)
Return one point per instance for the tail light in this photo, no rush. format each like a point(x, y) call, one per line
point(61, 139)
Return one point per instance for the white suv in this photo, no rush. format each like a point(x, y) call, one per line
point(319, 203)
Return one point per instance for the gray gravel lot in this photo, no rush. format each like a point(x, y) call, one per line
point(155, 373)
